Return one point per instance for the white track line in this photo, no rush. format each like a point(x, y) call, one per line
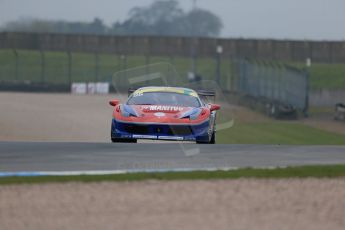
point(118, 172)
point(108, 172)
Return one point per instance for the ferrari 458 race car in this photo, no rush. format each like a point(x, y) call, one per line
point(164, 113)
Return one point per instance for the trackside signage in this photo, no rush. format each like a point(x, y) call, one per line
point(90, 88)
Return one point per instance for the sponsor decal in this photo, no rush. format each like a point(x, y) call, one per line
point(159, 114)
point(165, 108)
point(144, 136)
point(170, 138)
point(189, 138)
point(137, 94)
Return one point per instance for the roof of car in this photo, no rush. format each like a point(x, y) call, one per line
point(179, 90)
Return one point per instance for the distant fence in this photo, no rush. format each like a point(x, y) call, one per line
point(279, 50)
point(275, 84)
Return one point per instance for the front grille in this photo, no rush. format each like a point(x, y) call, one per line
point(169, 130)
point(179, 130)
point(137, 129)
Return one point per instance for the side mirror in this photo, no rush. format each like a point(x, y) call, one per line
point(214, 107)
point(114, 102)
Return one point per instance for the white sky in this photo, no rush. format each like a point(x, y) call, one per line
point(280, 19)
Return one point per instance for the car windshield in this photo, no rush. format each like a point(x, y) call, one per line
point(164, 98)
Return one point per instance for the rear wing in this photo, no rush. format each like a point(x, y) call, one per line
point(131, 90)
point(205, 95)
point(202, 93)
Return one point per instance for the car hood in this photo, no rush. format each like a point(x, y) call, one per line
point(167, 111)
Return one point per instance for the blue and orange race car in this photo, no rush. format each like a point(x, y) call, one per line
point(164, 113)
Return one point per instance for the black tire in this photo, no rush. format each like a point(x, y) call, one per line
point(212, 141)
point(213, 138)
point(123, 140)
point(201, 142)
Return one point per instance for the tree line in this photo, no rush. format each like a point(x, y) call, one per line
point(162, 17)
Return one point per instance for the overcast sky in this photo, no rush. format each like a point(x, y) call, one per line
point(279, 19)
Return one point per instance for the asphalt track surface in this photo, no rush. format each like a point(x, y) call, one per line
point(31, 156)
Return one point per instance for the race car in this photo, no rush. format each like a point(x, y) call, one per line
point(164, 113)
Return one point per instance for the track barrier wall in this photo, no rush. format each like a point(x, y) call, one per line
point(48, 60)
point(275, 83)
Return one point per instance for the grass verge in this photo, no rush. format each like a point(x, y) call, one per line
point(326, 75)
point(325, 171)
point(275, 132)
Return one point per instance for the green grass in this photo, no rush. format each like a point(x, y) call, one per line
point(274, 132)
point(315, 110)
point(84, 66)
point(330, 76)
point(327, 76)
point(327, 171)
point(322, 75)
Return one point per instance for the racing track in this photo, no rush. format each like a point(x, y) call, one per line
point(31, 156)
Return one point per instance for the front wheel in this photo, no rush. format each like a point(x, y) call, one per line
point(213, 138)
point(123, 140)
point(211, 141)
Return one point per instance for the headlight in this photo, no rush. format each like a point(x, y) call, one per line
point(192, 114)
point(127, 111)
